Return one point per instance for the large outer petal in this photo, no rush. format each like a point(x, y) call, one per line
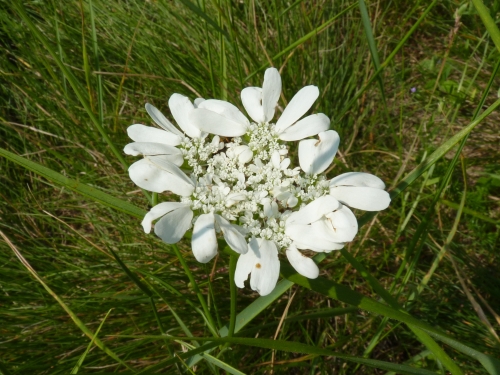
point(302, 264)
point(298, 106)
point(171, 153)
point(161, 120)
point(215, 123)
point(338, 226)
point(245, 265)
point(331, 247)
point(225, 109)
point(204, 240)
point(172, 227)
point(315, 156)
point(363, 198)
point(314, 210)
point(233, 237)
point(310, 237)
point(143, 133)
point(266, 271)
point(357, 179)
point(158, 211)
point(251, 97)
point(181, 107)
point(311, 125)
point(166, 165)
point(153, 178)
point(271, 90)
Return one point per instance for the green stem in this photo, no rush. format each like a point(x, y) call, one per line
point(232, 284)
point(210, 319)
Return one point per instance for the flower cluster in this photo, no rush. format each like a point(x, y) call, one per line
point(235, 177)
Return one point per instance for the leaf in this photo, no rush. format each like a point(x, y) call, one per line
point(489, 23)
point(294, 347)
point(76, 186)
point(351, 297)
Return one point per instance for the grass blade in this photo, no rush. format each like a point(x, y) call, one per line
point(76, 186)
point(80, 93)
point(489, 23)
point(351, 297)
point(73, 316)
point(296, 347)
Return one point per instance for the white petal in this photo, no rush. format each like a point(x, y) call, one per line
point(172, 227)
point(310, 237)
point(298, 106)
point(315, 156)
point(164, 164)
point(357, 179)
point(158, 211)
point(245, 156)
point(314, 210)
point(204, 241)
point(233, 237)
point(198, 101)
point(225, 109)
point(271, 90)
point(302, 264)
point(331, 247)
point(161, 120)
point(285, 164)
point(338, 226)
point(244, 266)
point(292, 201)
point(171, 153)
point(308, 126)
point(143, 133)
point(275, 159)
point(251, 97)
point(364, 198)
point(181, 107)
point(150, 177)
point(266, 270)
point(214, 123)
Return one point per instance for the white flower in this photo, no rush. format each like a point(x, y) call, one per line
point(247, 188)
point(262, 262)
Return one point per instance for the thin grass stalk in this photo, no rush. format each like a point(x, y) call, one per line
point(209, 50)
point(59, 48)
point(89, 346)
point(302, 40)
point(211, 323)
point(418, 239)
point(72, 80)
point(391, 56)
point(65, 307)
point(100, 94)
point(423, 337)
point(449, 238)
point(367, 25)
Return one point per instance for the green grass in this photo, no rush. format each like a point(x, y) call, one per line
point(71, 85)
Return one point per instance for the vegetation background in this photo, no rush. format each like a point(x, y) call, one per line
point(79, 75)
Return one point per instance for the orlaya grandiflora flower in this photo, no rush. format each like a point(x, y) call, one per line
point(246, 188)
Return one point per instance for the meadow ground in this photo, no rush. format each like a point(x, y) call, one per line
point(398, 79)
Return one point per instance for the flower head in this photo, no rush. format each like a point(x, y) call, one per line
point(246, 188)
